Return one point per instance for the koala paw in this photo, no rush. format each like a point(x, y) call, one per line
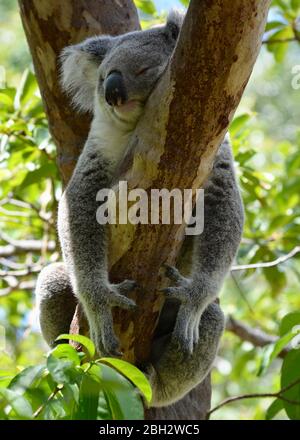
point(193, 298)
point(101, 320)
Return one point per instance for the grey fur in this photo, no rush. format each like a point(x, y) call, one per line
point(55, 300)
point(191, 324)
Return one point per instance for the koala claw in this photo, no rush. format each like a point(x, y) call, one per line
point(173, 274)
point(119, 300)
point(181, 284)
point(186, 330)
point(126, 286)
point(175, 292)
point(101, 321)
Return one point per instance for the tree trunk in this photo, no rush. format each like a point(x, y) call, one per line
point(174, 144)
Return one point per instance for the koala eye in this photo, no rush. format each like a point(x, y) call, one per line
point(143, 70)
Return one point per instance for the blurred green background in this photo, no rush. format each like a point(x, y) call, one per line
point(266, 141)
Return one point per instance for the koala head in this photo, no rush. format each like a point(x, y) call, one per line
point(117, 74)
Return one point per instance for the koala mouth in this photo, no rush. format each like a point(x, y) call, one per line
point(129, 106)
point(128, 111)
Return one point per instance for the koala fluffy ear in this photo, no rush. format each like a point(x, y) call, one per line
point(79, 65)
point(174, 22)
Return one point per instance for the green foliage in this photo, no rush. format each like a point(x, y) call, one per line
point(133, 373)
point(146, 6)
point(73, 386)
point(27, 152)
point(289, 322)
point(284, 28)
point(273, 350)
point(14, 55)
point(290, 375)
point(274, 409)
point(29, 189)
point(85, 342)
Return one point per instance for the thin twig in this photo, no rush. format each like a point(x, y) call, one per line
point(277, 395)
point(42, 407)
point(280, 40)
point(11, 264)
point(15, 247)
point(43, 215)
point(241, 292)
point(28, 270)
point(23, 285)
point(14, 213)
point(273, 263)
point(15, 202)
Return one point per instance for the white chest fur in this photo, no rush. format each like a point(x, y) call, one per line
point(109, 136)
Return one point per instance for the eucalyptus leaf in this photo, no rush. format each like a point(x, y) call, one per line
point(290, 373)
point(133, 374)
point(20, 406)
point(274, 409)
point(82, 340)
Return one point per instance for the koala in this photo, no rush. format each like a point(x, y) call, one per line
point(112, 77)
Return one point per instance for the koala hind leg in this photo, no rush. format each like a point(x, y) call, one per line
point(55, 301)
point(177, 371)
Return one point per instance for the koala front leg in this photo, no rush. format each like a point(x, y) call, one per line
point(83, 242)
point(214, 250)
point(177, 372)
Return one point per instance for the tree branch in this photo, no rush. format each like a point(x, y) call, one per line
point(15, 247)
point(256, 336)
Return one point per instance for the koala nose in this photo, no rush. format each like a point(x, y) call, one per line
point(114, 89)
